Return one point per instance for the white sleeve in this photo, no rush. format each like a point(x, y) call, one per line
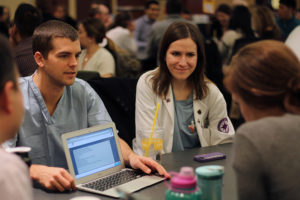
point(14, 180)
point(220, 126)
point(106, 64)
point(145, 107)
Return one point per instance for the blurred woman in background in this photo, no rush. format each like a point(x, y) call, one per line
point(264, 23)
point(93, 57)
point(222, 18)
point(239, 27)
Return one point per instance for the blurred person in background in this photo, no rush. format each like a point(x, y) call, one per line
point(103, 13)
point(186, 14)
point(239, 27)
point(264, 24)
point(286, 17)
point(121, 32)
point(94, 57)
point(143, 27)
point(4, 20)
point(222, 17)
point(293, 41)
point(26, 19)
point(60, 13)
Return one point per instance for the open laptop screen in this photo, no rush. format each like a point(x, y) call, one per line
point(93, 152)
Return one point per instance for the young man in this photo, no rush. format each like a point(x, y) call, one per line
point(14, 178)
point(103, 12)
point(56, 103)
point(286, 17)
point(143, 26)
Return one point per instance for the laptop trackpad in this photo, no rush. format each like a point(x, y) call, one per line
point(140, 183)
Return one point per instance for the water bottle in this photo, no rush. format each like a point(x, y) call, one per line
point(183, 186)
point(209, 179)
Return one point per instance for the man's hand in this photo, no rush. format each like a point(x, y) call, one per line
point(146, 164)
point(140, 162)
point(52, 178)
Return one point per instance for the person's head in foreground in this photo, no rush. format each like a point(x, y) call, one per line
point(14, 172)
point(11, 113)
point(265, 80)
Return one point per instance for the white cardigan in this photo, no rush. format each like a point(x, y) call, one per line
point(211, 109)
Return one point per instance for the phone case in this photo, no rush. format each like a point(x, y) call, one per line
point(209, 157)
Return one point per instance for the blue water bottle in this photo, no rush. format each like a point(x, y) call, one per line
point(183, 186)
point(209, 180)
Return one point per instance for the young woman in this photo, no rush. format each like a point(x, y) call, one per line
point(192, 111)
point(264, 24)
point(239, 27)
point(265, 81)
point(220, 21)
point(93, 57)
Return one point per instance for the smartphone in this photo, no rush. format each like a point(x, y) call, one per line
point(209, 157)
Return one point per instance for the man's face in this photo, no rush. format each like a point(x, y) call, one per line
point(18, 109)
point(5, 15)
point(60, 67)
point(152, 12)
point(104, 16)
point(285, 12)
point(59, 12)
point(223, 18)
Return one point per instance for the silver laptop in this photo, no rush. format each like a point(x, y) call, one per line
point(95, 161)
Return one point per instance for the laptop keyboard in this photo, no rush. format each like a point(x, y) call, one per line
point(114, 180)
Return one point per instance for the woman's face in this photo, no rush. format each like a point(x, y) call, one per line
point(83, 38)
point(181, 58)
point(223, 18)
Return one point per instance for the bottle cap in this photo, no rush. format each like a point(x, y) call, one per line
point(185, 179)
point(210, 171)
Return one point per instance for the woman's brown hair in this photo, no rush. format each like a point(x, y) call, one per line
point(162, 78)
point(266, 74)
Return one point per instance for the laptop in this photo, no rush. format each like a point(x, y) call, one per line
point(95, 161)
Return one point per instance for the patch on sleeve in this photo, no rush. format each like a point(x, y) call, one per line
point(223, 125)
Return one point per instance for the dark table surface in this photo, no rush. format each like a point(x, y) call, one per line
point(172, 162)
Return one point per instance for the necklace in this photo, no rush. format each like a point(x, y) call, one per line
point(86, 58)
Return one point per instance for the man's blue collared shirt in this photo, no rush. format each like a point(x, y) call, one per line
point(79, 107)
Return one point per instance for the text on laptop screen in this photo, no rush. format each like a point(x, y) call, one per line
point(93, 152)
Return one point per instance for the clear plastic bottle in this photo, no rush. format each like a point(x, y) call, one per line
point(183, 186)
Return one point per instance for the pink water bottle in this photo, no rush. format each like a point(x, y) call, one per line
point(183, 185)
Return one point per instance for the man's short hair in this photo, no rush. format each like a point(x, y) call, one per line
point(93, 12)
point(7, 65)
point(104, 4)
point(148, 3)
point(173, 6)
point(289, 3)
point(27, 18)
point(43, 35)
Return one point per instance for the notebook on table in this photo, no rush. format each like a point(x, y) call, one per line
point(95, 161)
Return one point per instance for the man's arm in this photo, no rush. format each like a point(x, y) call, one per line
point(52, 178)
point(140, 162)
